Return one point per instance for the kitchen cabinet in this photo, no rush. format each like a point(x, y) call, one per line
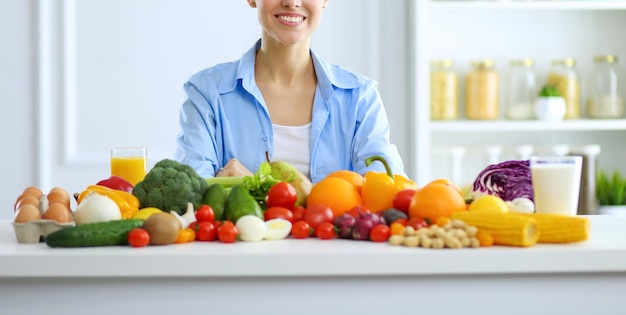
point(505, 30)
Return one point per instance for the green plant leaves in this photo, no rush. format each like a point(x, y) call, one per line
point(611, 190)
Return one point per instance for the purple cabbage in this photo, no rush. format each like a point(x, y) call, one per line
point(507, 180)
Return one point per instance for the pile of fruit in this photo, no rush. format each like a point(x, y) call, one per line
point(173, 205)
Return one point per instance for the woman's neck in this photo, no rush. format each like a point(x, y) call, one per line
point(283, 64)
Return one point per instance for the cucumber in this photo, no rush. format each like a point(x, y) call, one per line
point(108, 233)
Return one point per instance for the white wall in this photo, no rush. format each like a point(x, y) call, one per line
point(78, 77)
point(18, 125)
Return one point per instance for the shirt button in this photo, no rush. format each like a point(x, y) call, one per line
point(265, 138)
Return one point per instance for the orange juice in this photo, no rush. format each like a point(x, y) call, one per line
point(130, 168)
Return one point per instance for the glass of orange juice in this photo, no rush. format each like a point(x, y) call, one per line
point(129, 163)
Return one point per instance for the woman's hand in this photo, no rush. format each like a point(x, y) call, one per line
point(233, 168)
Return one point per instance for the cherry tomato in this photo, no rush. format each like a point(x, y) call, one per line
point(227, 232)
point(417, 223)
point(138, 237)
point(358, 210)
point(298, 211)
point(185, 236)
point(278, 213)
point(281, 194)
point(402, 200)
point(325, 231)
point(205, 214)
point(317, 214)
point(300, 229)
point(380, 233)
point(205, 231)
point(396, 228)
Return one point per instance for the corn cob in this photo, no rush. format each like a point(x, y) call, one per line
point(555, 228)
point(507, 229)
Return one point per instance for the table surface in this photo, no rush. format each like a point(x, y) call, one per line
point(605, 251)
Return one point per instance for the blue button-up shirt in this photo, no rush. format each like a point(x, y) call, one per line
point(225, 116)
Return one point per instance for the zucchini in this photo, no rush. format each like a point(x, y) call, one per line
point(108, 233)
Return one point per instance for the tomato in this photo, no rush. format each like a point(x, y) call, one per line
point(298, 211)
point(300, 229)
point(380, 233)
point(138, 237)
point(205, 214)
point(417, 223)
point(227, 232)
point(205, 231)
point(278, 213)
point(402, 200)
point(358, 210)
point(281, 194)
point(317, 214)
point(325, 231)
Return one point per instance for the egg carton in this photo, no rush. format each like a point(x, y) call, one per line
point(34, 231)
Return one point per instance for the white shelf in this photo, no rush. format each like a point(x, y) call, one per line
point(529, 125)
point(528, 5)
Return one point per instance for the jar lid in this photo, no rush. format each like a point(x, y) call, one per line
point(446, 63)
point(570, 62)
point(526, 62)
point(605, 58)
point(484, 63)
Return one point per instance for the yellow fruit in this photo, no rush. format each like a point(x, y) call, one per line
point(489, 203)
point(145, 213)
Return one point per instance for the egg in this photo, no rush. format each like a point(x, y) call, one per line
point(58, 194)
point(58, 212)
point(277, 229)
point(25, 200)
point(27, 213)
point(33, 191)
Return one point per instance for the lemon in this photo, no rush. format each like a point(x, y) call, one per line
point(145, 213)
point(489, 203)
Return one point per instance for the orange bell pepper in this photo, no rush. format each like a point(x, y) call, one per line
point(127, 202)
point(379, 188)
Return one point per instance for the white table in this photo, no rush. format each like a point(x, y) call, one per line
point(317, 277)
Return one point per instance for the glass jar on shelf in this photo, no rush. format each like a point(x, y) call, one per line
point(564, 77)
point(444, 90)
point(482, 91)
point(521, 89)
point(603, 96)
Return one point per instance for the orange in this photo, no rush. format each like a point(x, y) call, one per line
point(436, 200)
point(354, 178)
point(447, 182)
point(337, 193)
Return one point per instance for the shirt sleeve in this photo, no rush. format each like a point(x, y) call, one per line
point(196, 143)
point(372, 134)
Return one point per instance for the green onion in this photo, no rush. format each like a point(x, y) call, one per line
point(227, 182)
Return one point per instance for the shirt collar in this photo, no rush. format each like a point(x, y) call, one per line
point(329, 76)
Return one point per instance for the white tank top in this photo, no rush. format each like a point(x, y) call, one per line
point(291, 144)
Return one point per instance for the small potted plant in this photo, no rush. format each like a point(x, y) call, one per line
point(550, 105)
point(611, 194)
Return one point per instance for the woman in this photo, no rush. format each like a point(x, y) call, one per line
point(283, 100)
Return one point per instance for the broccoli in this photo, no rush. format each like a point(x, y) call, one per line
point(169, 186)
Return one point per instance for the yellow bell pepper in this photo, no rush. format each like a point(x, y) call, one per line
point(127, 202)
point(379, 189)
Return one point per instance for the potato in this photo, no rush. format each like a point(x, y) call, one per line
point(162, 227)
